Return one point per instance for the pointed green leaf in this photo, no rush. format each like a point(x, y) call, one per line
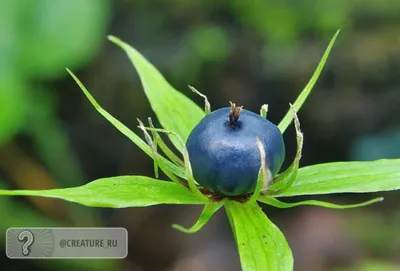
point(342, 177)
point(261, 245)
point(279, 204)
point(209, 210)
point(118, 192)
point(127, 132)
point(174, 110)
point(307, 90)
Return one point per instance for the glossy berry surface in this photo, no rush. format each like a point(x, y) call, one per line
point(223, 151)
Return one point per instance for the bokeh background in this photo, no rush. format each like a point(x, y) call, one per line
point(250, 52)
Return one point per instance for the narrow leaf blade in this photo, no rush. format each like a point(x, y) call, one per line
point(347, 177)
point(126, 131)
point(261, 245)
point(279, 204)
point(118, 192)
point(307, 90)
point(209, 210)
point(174, 110)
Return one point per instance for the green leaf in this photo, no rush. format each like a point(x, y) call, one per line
point(261, 245)
point(279, 204)
point(27, 217)
point(209, 210)
point(127, 132)
point(342, 177)
point(307, 90)
point(118, 192)
point(174, 110)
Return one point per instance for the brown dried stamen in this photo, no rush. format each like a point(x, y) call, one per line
point(234, 114)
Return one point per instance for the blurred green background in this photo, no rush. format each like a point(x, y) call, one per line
point(249, 52)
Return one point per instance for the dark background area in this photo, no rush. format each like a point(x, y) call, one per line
point(249, 52)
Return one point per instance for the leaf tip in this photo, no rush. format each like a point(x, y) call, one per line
point(113, 39)
point(180, 228)
point(69, 71)
point(335, 36)
point(330, 45)
point(83, 88)
point(140, 122)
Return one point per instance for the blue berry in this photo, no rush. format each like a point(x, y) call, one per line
point(223, 151)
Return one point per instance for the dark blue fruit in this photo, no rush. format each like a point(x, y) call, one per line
point(223, 151)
